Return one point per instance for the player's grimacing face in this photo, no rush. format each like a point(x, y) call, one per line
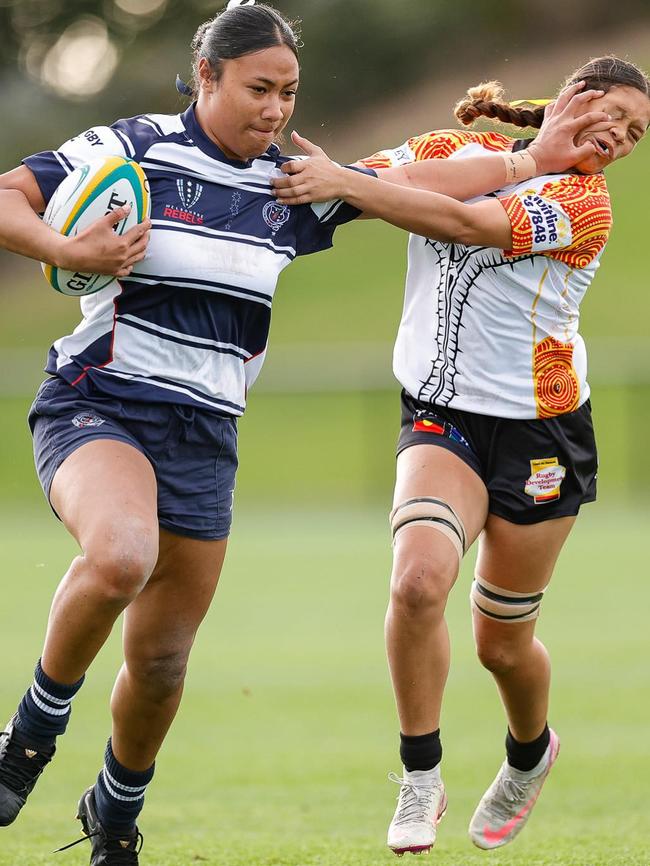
point(252, 102)
point(629, 109)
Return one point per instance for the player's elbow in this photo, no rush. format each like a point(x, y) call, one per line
point(408, 177)
point(22, 180)
point(483, 225)
point(453, 223)
point(451, 232)
point(469, 229)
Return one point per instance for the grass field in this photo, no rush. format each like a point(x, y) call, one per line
point(281, 749)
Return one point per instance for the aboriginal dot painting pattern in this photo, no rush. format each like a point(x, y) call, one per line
point(441, 144)
point(585, 200)
point(556, 384)
point(522, 228)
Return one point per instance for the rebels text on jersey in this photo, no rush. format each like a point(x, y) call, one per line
point(191, 322)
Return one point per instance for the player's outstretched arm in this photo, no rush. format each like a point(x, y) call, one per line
point(97, 250)
point(415, 210)
point(554, 150)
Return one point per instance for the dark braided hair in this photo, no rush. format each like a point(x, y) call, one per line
point(236, 32)
point(487, 100)
point(600, 73)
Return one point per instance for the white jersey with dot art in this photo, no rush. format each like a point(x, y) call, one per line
point(191, 322)
point(496, 332)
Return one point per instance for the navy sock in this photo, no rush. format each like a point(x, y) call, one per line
point(421, 753)
point(526, 756)
point(45, 709)
point(119, 793)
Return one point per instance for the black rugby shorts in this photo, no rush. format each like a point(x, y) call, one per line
point(534, 470)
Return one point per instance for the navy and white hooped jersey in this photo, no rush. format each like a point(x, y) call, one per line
point(191, 322)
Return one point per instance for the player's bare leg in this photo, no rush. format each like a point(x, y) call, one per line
point(425, 567)
point(159, 629)
point(517, 562)
point(105, 493)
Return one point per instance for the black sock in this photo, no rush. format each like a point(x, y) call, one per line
point(421, 753)
point(119, 793)
point(44, 711)
point(526, 756)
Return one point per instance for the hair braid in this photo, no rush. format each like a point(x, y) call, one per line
point(600, 73)
point(487, 100)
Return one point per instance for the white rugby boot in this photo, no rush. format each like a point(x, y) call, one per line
point(506, 805)
point(420, 806)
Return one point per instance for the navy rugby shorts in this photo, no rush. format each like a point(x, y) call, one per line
point(193, 453)
point(534, 470)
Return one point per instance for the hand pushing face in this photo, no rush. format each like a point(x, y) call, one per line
point(245, 110)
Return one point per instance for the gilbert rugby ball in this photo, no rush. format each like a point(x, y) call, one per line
point(88, 193)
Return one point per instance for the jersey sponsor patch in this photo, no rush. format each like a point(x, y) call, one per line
point(87, 419)
point(546, 477)
point(568, 219)
point(548, 226)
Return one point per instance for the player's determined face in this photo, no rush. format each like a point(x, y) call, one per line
point(630, 113)
point(252, 102)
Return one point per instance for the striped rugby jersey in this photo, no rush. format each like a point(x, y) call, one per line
point(191, 323)
point(496, 331)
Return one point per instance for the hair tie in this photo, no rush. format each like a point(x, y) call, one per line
point(530, 102)
point(183, 88)
point(233, 4)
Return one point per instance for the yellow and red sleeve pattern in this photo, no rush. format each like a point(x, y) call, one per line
point(569, 219)
point(439, 144)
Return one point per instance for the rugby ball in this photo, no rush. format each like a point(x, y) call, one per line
point(88, 193)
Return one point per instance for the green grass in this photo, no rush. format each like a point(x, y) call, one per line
point(287, 730)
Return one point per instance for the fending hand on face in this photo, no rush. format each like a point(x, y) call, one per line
point(555, 148)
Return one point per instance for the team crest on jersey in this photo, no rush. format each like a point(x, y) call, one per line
point(546, 477)
point(189, 192)
point(87, 419)
point(275, 215)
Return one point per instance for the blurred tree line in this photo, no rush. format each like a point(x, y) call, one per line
point(355, 51)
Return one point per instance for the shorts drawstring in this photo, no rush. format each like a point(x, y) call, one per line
point(184, 417)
